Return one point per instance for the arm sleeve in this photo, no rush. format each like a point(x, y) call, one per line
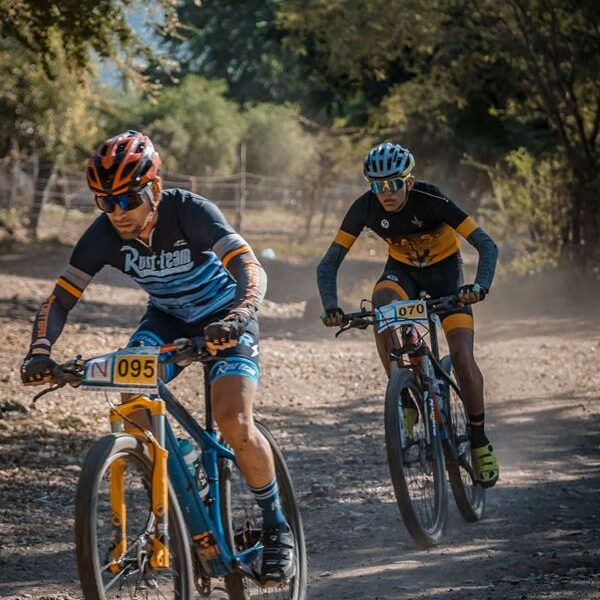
point(206, 226)
point(237, 257)
point(353, 223)
point(85, 262)
point(466, 226)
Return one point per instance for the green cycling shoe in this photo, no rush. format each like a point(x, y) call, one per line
point(486, 466)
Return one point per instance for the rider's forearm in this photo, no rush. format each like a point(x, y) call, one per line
point(488, 256)
point(327, 274)
point(49, 323)
point(52, 315)
point(251, 283)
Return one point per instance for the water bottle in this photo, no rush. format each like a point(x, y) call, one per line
point(190, 455)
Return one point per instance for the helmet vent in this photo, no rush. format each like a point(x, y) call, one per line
point(127, 170)
point(121, 147)
point(103, 150)
point(140, 148)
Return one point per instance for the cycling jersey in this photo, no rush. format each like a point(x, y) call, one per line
point(187, 267)
point(422, 233)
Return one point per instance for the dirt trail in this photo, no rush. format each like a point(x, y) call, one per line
point(324, 400)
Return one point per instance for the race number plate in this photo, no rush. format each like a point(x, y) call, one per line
point(401, 311)
point(128, 370)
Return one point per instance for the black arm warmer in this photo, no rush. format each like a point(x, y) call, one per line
point(327, 274)
point(488, 256)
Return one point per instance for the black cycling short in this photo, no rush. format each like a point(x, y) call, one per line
point(440, 279)
point(157, 328)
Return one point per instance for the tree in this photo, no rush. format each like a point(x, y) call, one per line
point(239, 42)
point(195, 125)
point(80, 26)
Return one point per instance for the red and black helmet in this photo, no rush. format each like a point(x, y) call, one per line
point(123, 163)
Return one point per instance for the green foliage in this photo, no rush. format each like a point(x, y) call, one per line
point(55, 117)
point(276, 143)
point(196, 127)
point(80, 26)
point(238, 41)
point(527, 209)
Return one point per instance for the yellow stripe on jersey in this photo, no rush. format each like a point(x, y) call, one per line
point(344, 239)
point(467, 227)
point(65, 285)
point(233, 253)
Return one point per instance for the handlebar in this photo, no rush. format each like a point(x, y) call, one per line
point(183, 352)
point(364, 318)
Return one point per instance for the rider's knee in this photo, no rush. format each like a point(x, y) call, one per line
point(236, 427)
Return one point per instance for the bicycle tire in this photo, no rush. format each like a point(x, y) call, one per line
point(469, 496)
point(89, 511)
point(240, 537)
point(403, 387)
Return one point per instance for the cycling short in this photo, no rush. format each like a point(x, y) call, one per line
point(157, 328)
point(440, 279)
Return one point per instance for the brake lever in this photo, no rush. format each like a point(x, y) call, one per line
point(46, 391)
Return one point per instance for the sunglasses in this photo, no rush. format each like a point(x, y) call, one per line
point(387, 185)
point(126, 202)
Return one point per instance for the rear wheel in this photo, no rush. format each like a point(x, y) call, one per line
point(242, 523)
point(469, 496)
point(129, 574)
point(416, 460)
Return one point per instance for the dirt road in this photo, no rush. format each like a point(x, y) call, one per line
point(324, 400)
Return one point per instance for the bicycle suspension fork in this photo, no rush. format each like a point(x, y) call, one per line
point(156, 441)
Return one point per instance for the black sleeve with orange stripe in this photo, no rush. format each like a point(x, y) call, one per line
point(467, 227)
point(53, 312)
point(353, 223)
point(237, 257)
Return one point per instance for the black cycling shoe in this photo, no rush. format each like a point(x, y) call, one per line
point(278, 555)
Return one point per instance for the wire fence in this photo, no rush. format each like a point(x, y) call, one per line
point(251, 201)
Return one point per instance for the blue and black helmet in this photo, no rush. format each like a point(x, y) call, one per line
point(388, 160)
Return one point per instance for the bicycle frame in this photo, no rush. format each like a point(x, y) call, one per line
point(203, 518)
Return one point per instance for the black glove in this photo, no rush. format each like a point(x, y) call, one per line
point(472, 293)
point(224, 334)
point(333, 317)
point(37, 369)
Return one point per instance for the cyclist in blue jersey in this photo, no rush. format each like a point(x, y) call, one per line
point(202, 279)
point(420, 225)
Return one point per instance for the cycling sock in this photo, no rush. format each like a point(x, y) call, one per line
point(478, 437)
point(267, 498)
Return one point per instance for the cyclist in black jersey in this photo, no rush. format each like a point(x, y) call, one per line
point(203, 281)
point(419, 224)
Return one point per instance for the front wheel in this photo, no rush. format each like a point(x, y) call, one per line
point(118, 466)
point(242, 523)
point(469, 495)
point(415, 458)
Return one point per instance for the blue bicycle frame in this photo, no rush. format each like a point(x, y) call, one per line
point(203, 518)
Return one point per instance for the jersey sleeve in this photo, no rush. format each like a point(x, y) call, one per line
point(86, 260)
point(202, 222)
point(449, 212)
point(354, 222)
point(467, 227)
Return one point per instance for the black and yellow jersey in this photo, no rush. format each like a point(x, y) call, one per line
point(422, 233)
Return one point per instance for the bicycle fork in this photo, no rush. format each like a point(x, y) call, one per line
point(120, 420)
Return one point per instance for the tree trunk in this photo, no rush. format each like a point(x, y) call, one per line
point(41, 183)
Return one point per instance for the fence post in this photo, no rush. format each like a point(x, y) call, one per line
point(241, 208)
